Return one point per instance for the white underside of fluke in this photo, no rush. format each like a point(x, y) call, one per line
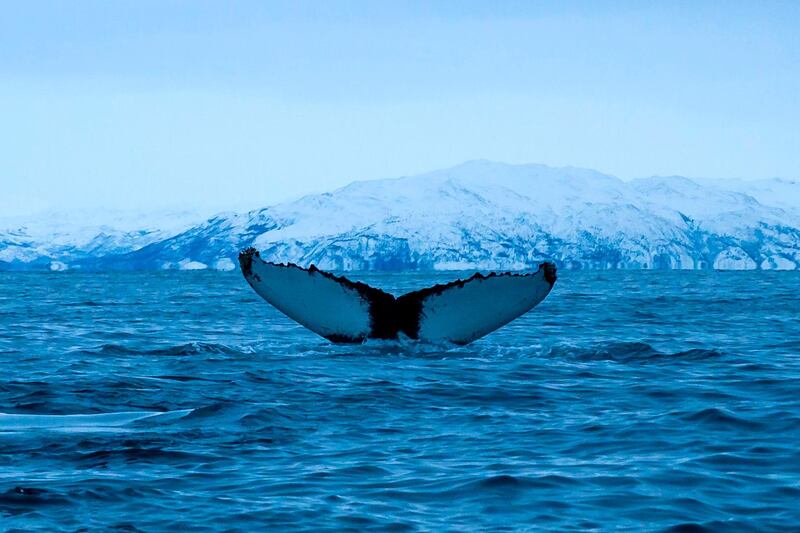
point(343, 311)
point(463, 313)
point(320, 303)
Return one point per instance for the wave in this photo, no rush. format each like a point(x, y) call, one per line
point(630, 352)
point(141, 454)
point(508, 481)
point(720, 418)
point(712, 526)
point(24, 499)
point(24, 422)
point(402, 346)
point(191, 348)
point(624, 352)
point(94, 303)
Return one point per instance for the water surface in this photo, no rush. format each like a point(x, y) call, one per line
point(628, 400)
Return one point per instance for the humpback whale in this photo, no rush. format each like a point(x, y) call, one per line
point(345, 311)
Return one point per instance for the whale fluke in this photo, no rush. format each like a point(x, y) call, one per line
point(345, 311)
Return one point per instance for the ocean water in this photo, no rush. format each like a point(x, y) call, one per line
point(182, 401)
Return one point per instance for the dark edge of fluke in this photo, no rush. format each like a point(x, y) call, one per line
point(389, 315)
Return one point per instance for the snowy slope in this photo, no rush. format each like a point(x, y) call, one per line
point(485, 215)
point(776, 192)
point(55, 239)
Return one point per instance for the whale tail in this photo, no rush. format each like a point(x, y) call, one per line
point(345, 311)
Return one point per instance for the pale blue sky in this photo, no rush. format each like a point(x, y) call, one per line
point(151, 104)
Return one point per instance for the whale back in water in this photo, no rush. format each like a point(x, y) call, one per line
point(345, 311)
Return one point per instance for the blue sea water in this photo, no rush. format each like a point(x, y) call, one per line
point(182, 401)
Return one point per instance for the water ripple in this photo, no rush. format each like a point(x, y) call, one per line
point(629, 401)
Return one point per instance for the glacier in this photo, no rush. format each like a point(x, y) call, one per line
point(480, 215)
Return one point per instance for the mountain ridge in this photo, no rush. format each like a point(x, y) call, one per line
point(483, 215)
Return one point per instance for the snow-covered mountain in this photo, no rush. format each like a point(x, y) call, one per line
point(486, 215)
point(57, 240)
